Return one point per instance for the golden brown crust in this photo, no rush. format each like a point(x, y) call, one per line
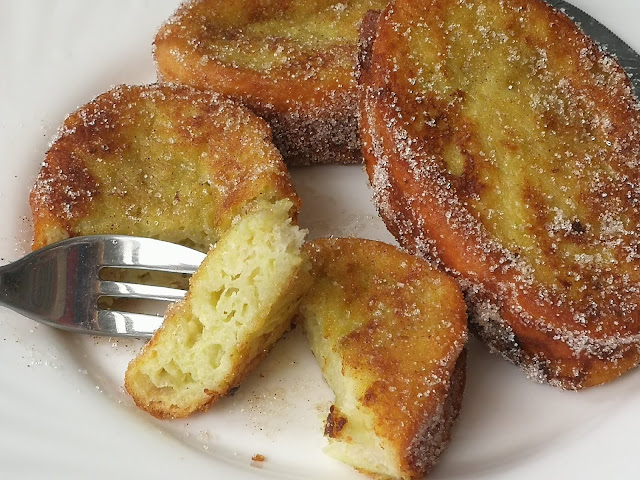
point(434, 436)
point(156, 160)
point(398, 327)
point(516, 172)
point(290, 62)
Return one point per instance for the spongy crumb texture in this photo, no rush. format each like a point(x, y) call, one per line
point(240, 302)
point(291, 62)
point(156, 161)
point(504, 143)
point(389, 333)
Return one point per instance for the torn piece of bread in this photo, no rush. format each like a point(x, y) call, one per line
point(390, 333)
point(159, 161)
point(504, 144)
point(291, 62)
point(240, 301)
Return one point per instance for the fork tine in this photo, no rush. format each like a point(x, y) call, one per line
point(58, 285)
point(136, 290)
point(126, 324)
point(149, 254)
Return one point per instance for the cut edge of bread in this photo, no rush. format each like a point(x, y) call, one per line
point(350, 427)
point(360, 431)
point(240, 302)
point(367, 452)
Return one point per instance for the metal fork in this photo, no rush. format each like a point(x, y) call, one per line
point(59, 285)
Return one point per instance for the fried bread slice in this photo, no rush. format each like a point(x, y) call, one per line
point(291, 62)
point(240, 302)
point(389, 332)
point(157, 161)
point(504, 145)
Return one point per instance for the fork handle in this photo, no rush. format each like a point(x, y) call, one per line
point(10, 288)
point(19, 287)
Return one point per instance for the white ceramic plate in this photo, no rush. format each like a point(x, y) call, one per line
point(63, 412)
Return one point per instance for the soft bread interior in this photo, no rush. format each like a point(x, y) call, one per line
point(364, 450)
point(241, 300)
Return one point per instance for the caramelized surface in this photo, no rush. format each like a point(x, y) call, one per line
point(291, 62)
point(156, 161)
point(389, 332)
point(519, 142)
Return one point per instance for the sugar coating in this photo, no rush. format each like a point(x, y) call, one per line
point(512, 164)
point(292, 63)
point(161, 161)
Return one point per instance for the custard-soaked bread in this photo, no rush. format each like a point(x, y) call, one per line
point(389, 332)
point(292, 62)
point(504, 144)
point(240, 301)
point(157, 161)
